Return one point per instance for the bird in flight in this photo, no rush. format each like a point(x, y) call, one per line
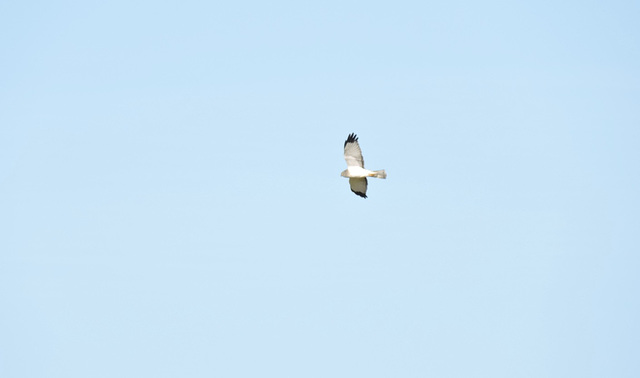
point(355, 171)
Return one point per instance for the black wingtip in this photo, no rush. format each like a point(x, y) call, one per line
point(351, 138)
point(360, 194)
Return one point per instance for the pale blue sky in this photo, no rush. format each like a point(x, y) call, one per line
point(171, 202)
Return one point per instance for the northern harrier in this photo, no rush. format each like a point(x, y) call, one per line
point(355, 171)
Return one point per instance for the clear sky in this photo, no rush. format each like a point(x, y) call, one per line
point(171, 202)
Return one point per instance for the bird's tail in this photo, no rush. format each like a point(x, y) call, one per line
point(381, 174)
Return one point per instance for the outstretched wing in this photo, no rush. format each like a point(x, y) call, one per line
point(352, 152)
point(359, 186)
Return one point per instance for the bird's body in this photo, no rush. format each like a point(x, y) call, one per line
point(356, 172)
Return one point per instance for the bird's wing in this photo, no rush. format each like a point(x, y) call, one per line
point(352, 153)
point(359, 186)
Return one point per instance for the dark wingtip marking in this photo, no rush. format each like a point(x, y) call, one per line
point(351, 138)
point(360, 194)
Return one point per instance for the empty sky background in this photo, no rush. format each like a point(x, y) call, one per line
point(171, 202)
